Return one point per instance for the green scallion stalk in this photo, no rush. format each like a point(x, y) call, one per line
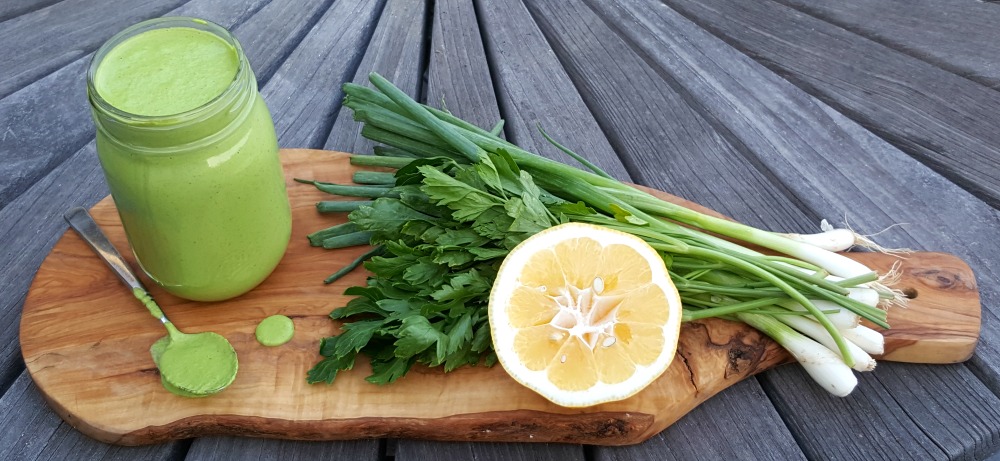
point(352, 190)
point(389, 162)
point(347, 240)
point(316, 238)
point(724, 309)
point(340, 206)
point(354, 264)
point(374, 178)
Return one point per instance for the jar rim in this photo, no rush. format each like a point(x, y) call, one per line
point(194, 113)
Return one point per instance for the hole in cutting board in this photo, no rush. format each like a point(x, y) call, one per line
point(910, 292)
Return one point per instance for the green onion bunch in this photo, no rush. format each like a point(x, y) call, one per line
point(461, 198)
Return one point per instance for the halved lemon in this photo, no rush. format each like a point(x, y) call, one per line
point(584, 314)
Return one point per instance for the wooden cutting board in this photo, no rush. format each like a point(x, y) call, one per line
point(86, 342)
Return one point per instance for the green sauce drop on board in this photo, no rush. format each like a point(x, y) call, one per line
point(275, 330)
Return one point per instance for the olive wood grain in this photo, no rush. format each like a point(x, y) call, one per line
point(85, 342)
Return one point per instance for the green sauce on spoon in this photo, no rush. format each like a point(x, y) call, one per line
point(156, 350)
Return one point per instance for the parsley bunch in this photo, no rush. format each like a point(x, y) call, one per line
point(440, 233)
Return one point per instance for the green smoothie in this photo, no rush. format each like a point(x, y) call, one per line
point(190, 155)
point(166, 71)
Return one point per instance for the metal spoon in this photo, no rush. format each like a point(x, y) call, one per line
point(198, 364)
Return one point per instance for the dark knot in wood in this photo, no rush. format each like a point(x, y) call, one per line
point(942, 279)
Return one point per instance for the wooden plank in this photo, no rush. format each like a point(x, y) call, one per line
point(534, 90)
point(228, 448)
point(881, 418)
point(423, 450)
point(269, 37)
point(943, 120)
point(31, 49)
point(31, 431)
point(458, 74)
point(960, 36)
point(232, 15)
point(304, 93)
point(704, 433)
point(818, 153)
point(978, 436)
point(41, 125)
point(394, 51)
point(670, 145)
point(13, 8)
point(911, 411)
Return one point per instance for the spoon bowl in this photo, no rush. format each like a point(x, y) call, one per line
point(222, 376)
point(191, 365)
point(201, 364)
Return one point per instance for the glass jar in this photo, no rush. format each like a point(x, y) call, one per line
point(193, 169)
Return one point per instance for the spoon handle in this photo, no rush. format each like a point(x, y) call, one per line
point(79, 219)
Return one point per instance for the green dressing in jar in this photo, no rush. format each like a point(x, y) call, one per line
point(190, 155)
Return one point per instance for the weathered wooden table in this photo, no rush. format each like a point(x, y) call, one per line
point(778, 113)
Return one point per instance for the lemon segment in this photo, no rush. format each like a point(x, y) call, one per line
point(584, 315)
